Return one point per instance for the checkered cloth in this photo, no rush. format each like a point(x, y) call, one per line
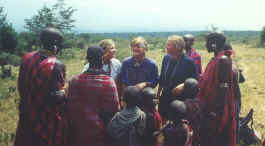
point(90, 98)
point(197, 60)
point(40, 115)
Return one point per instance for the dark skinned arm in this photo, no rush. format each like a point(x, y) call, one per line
point(57, 95)
point(224, 78)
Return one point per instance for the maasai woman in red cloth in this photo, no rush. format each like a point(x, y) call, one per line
point(92, 101)
point(41, 77)
point(216, 92)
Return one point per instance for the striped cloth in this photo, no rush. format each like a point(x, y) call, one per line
point(40, 113)
point(90, 97)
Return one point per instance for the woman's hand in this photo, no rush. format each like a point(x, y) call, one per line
point(142, 85)
point(178, 90)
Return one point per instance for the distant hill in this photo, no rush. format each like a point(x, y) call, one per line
point(242, 34)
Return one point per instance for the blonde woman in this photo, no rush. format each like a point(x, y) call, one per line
point(174, 72)
point(112, 66)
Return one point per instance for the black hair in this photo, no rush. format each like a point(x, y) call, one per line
point(148, 92)
point(95, 56)
point(228, 46)
point(177, 110)
point(131, 96)
point(188, 36)
point(51, 37)
point(147, 98)
point(191, 88)
point(216, 38)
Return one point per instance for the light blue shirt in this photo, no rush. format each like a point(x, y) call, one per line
point(115, 67)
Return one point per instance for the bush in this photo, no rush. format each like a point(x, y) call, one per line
point(7, 58)
point(8, 38)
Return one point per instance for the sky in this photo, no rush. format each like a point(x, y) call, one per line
point(98, 16)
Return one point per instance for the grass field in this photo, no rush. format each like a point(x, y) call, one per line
point(250, 60)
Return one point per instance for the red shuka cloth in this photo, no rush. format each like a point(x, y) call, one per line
point(88, 97)
point(178, 134)
point(40, 117)
point(158, 124)
point(222, 128)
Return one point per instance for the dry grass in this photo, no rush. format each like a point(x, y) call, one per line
point(251, 60)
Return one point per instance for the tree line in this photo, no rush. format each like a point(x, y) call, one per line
point(13, 44)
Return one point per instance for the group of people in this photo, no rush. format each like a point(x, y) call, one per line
point(115, 104)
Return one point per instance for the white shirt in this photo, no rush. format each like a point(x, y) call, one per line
point(115, 66)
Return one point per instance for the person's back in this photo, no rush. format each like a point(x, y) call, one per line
point(41, 76)
point(128, 126)
point(92, 101)
point(178, 131)
point(153, 118)
point(178, 134)
point(90, 96)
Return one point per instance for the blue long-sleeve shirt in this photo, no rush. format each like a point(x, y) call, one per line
point(133, 73)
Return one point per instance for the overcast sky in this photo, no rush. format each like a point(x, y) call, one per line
point(150, 15)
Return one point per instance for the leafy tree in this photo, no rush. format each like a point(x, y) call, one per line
point(58, 15)
point(2, 17)
point(262, 36)
point(8, 36)
point(8, 43)
point(26, 40)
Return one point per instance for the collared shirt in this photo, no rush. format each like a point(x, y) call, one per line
point(133, 73)
point(195, 56)
point(114, 66)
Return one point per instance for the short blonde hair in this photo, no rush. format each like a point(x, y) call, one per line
point(106, 43)
point(178, 41)
point(138, 41)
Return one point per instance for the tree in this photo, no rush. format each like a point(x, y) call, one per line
point(8, 43)
point(8, 36)
point(58, 15)
point(2, 16)
point(262, 36)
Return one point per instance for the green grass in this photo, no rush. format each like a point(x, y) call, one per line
point(251, 60)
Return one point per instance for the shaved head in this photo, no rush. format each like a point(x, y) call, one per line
point(51, 39)
point(189, 40)
point(178, 110)
point(188, 36)
point(215, 41)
